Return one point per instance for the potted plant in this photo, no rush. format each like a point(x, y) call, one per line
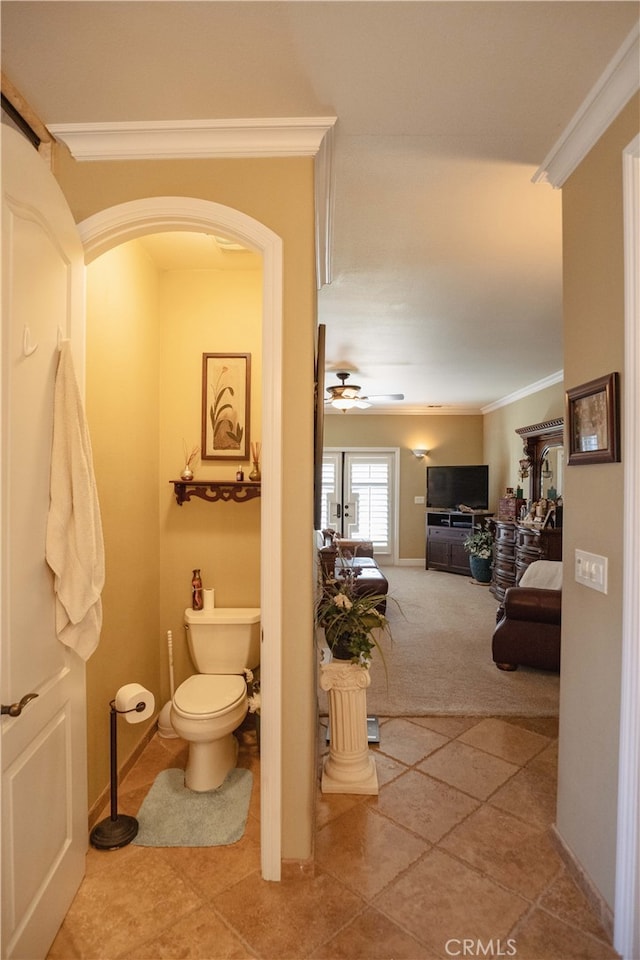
point(479, 546)
point(254, 698)
point(350, 618)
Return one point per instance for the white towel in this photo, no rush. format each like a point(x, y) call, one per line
point(74, 545)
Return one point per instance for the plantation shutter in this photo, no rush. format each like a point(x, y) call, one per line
point(369, 482)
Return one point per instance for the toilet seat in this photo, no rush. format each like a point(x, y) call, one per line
point(204, 695)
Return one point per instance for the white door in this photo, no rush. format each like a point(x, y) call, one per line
point(44, 783)
point(358, 496)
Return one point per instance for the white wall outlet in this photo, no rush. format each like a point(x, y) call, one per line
point(418, 499)
point(591, 570)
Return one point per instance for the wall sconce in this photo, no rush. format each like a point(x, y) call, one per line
point(547, 473)
point(525, 465)
point(419, 453)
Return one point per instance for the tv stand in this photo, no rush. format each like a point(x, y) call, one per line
point(446, 532)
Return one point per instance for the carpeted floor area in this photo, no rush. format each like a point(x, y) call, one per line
point(439, 661)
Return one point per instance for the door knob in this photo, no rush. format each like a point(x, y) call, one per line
point(15, 709)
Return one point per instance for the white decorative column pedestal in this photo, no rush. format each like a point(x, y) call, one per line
point(350, 766)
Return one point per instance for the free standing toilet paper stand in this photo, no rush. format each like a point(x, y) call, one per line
point(118, 829)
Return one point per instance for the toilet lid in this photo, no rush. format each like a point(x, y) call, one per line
point(209, 694)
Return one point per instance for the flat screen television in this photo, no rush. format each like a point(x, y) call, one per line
point(448, 487)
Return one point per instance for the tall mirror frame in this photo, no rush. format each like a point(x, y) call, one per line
point(538, 440)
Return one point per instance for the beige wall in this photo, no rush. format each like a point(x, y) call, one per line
point(503, 446)
point(122, 377)
point(204, 311)
point(452, 440)
point(278, 193)
point(594, 512)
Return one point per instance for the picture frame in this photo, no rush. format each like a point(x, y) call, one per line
point(226, 406)
point(593, 421)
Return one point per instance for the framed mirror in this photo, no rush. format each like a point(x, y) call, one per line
point(543, 445)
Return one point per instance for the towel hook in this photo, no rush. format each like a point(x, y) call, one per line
point(27, 347)
point(61, 338)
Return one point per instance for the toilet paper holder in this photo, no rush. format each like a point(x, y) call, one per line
point(119, 829)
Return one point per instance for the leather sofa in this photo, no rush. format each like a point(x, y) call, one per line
point(370, 579)
point(528, 632)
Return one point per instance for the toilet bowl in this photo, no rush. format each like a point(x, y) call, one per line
point(208, 706)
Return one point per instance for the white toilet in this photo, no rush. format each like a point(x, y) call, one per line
point(210, 705)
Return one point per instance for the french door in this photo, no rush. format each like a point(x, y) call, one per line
point(358, 496)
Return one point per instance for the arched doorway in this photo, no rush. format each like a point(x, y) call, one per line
point(127, 221)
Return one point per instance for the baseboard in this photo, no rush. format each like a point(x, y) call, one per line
point(96, 808)
point(410, 562)
point(595, 899)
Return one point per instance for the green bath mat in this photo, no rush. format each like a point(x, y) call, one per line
point(171, 815)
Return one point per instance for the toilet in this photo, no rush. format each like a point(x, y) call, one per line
point(208, 706)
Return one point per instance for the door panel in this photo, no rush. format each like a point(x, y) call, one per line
point(44, 800)
point(358, 496)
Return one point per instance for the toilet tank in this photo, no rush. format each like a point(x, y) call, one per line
point(224, 640)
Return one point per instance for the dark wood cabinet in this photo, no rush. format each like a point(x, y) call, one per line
point(516, 546)
point(446, 533)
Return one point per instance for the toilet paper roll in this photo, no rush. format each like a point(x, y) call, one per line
point(135, 702)
point(208, 599)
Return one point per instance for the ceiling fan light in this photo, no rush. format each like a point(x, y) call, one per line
point(343, 403)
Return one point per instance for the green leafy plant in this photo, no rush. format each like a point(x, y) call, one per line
point(351, 620)
point(480, 543)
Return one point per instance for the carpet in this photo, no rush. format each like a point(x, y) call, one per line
point(439, 660)
point(171, 815)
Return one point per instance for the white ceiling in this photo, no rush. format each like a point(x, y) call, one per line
point(446, 258)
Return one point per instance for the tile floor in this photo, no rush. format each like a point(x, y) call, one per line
point(451, 859)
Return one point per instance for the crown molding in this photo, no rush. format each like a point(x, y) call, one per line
point(613, 90)
point(397, 410)
point(194, 139)
point(536, 387)
point(218, 139)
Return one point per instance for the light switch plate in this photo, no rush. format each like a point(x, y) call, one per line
point(418, 499)
point(591, 570)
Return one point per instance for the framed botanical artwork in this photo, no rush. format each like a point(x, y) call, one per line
point(593, 421)
point(226, 407)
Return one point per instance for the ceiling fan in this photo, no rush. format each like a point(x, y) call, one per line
point(344, 396)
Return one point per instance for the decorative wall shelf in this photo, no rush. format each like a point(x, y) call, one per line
point(214, 490)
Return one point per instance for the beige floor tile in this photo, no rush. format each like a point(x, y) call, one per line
point(447, 726)
point(546, 726)
point(290, 919)
point(506, 740)
point(529, 797)
point(366, 851)
point(423, 805)
point(408, 742)
point(566, 901)
point(165, 899)
point(127, 897)
point(332, 805)
point(543, 937)
point(515, 854)
point(545, 763)
point(201, 935)
point(156, 757)
point(468, 769)
point(372, 936)
point(440, 899)
point(209, 870)
point(387, 768)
